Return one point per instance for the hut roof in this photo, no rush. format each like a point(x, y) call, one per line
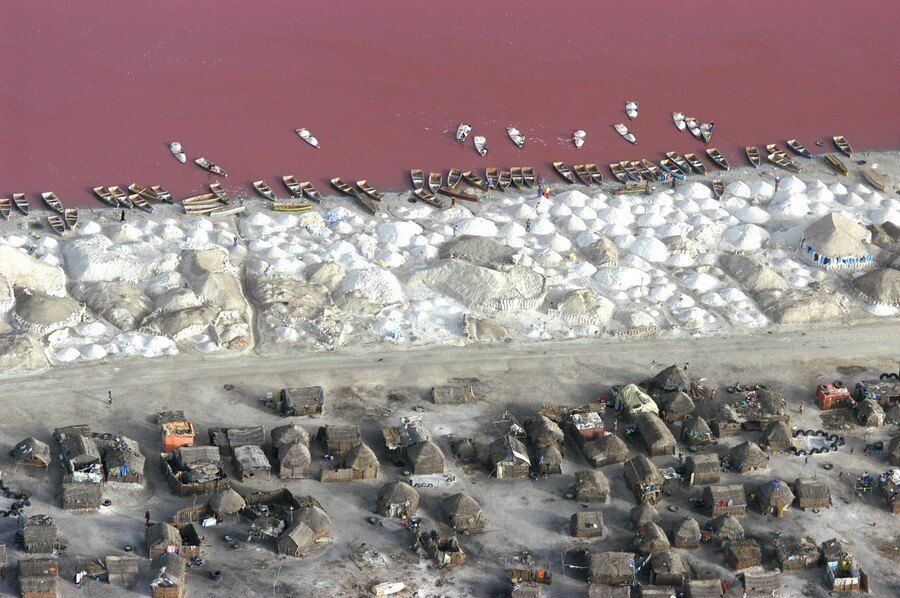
point(641, 470)
point(299, 534)
point(612, 564)
point(317, 520)
point(542, 430)
point(289, 434)
point(609, 448)
point(643, 514)
point(38, 566)
point(294, 455)
point(654, 430)
point(251, 456)
point(777, 434)
point(787, 546)
point(32, 448)
point(836, 547)
point(227, 502)
point(170, 570)
point(123, 566)
point(748, 454)
point(678, 402)
point(775, 492)
point(79, 449)
point(726, 492)
point(161, 534)
point(460, 505)
point(235, 437)
point(360, 457)
point(704, 588)
point(592, 481)
point(894, 447)
point(124, 452)
point(770, 401)
point(744, 550)
point(696, 427)
point(869, 407)
point(548, 455)
point(686, 529)
point(651, 538)
point(669, 563)
point(397, 493)
point(892, 414)
point(726, 526)
point(836, 235)
point(38, 529)
point(635, 399)
point(809, 488)
point(509, 449)
point(341, 433)
point(671, 379)
point(425, 452)
point(881, 286)
point(703, 462)
point(192, 455)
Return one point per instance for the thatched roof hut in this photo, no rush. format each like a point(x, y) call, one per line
point(703, 588)
point(656, 436)
point(696, 432)
point(548, 460)
point(586, 524)
point(296, 541)
point(170, 572)
point(761, 584)
point(892, 414)
point(509, 458)
point(289, 434)
point(591, 486)
point(31, 452)
point(226, 503)
point(667, 568)
point(250, 460)
point(869, 413)
point(338, 439)
point(642, 515)
point(726, 527)
point(651, 539)
point(607, 450)
point(543, 431)
point(463, 512)
point(361, 459)
point(124, 461)
point(39, 534)
point(317, 520)
point(796, 552)
point(777, 436)
point(812, 493)
point(38, 577)
point(747, 456)
point(123, 570)
point(725, 422)
point(722, 499)
point(160, 538)
point(644, 478)
point(686, 533)
point(671, 379)
point(702, 468)
point(612, 568)
point(675, 405)
point(775, 497)
point(397, 499)
point(743, 554)
point(425, 458)
point(81, 496)
point(294, 460)
point(893, 453)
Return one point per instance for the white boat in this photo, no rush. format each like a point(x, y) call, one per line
point(480, 145)
point(631, 109)
point(177, 151)
point(706, 131)
point(678, 118)
point(626, 135)
point(462, 131)
point(578, 138)
point(694, 127)
point(516, 136)
point(306, 136)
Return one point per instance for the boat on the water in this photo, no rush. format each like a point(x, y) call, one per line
point(105, 196)
point(773, 148)
point(618, 173)
point(678, 119)
point(52, 201)
point(310, 191)
point(578, 138)
point(679, 162)
point(564, 171)
point(290, 181)
point(594, 171)
point(434, 181)
point(693, 125)
point(781, 159)
point(344, 187)
point(837, 164)
point(753, 155)
point(21, 202)
point(456, 194)
point(418, 178)
point(462, 131)
point(453, 178)
point(227, 210)
point(177, 151)
point(625, 133)
point(529, 176)
point(718, 188)
point(308, 137)
point(140, 203)
point(210, 167)
point(474, 180)
point(874, 178)
point(120, 196)
point(162, 194)
point(842, 144)
point(145, 192)
point(428, 198)
point(480, 145)
point(633, 173)
point(717, 157)
point(504, 180)
point(263, 189)
point(671, 169)
point(706, 131)
point(5, 208)
point(653, 168)
point(369, 190)
point(219, 191)
point(492, 176)
point(696, 164)
point(799, 148)
point(196, 201)
point(515, 174)
point(279, 206)
point(57, 224)
point(516, 136)
point(645, 172)
point(631, 109)
point(582, 174)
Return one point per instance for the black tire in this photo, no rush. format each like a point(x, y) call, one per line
point(828, 466)
point(801, 453)
point(215, 575)
point(795, 451)
point(831, 437)
point(834, 448)
point(228, 387)
point(839, 384)
point(731, 390)
point(106, 502)
point(840, 441)
point(128, 548)
point(821, 433)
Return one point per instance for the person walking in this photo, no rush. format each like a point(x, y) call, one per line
point(147, 518)
point(777, 182)
point(109, 397)
point(806, 461)
point(122, 218)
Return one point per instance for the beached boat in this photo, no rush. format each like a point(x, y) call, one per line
point(369, 190)
point(678, 119)
point(753, 155)
point(21, 202)
point(874, 178)
point(717, 157)
point(781, 159)
point(631, 110)
point(219, 191)
point(196, 201)
point(344, 187)
point(5, 208)
point(228, 210)
point(645, 172)
point(578, 138)
point(453, 178)
point(162, 194)
point(594, 171)
point(418, 178)
point(280, 206)
point(428, 198)
point(680, 162)
point(653, 168)
point(105, 196)
point(462, 131)
point(633, 173)
point(177, 151)
point(140, 203)
point(625, 133)
point(434, 181)
point(516, 136)
point(310, 191)
point(518, 180)
point(841, 143)
point(480, 145)
point(696, 164)
point(718, 188)
point(619, 173)
point(582, 174)
point(120, 196)
point(564, 171)
point(671, 169)
point(694, 127)
point(308, 137)
point(837, 164)
point(210, 167)
point(706, 131)
point(145, 192)
point(200, 210)
point(263, 189)
point(474, 180)
point(799, 148)
point(529, 176)
point(293, 187)
point(637, 189)
point(52, 201)
point(504, 180)
point(57, 224)
point(492, 177)
point(457, 194)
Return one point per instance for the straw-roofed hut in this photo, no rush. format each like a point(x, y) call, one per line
point(656, 435)
point(722, 499)
point(160, 538)
point(338, 439)
point(81, 496)
point(543, 431)
point(686, 533)
point(362, 461)
point(31, 452)
point(642, 515)
point(696, 432)
point(317, 520)
point(796, 552)
point(777, 436)
point(812, 493)
point(644, 479)
point(294, 460)
point(123, 571)
point(463, 512)
point(397, 499)
point(725, 528)
point(668, 568)
point(702, 469)
point(650, 538)
point(775, 497)
point(586, 524)
point(869, 413)
point(742, 554)
point(591, 486)
point(761, 584)
point(881, 286)
point(607, 450)
point(672, 379)
point(509, 458)
point(892, 414)
point(612, 568)
point(703, 588)
point(425, 458)
point(226, 503)
point(893, 453)
point(725, 422)
point(39, 577)
point(675, 406)
point(297, 540)
point(548, 460)
point(289, 434)
point(747, 456)
point(123, 461)
point(836, 242)
point(39, 534)
point(250, 460)
point(170, 571)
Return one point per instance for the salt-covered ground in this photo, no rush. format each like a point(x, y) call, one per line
point(513, 266)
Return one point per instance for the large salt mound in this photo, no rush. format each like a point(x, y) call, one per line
point(694, 191)
point(788, 205)
point(523, 212)
point(792, 183)
point(582, 306)
point(515, 288)
point(883, 215)
point(762, 189)
point(398, 233)
point(745, 237)
point(738, 189)
point(476, 227)
point(378, 285)
point(650, 249)
point(701, 282)
point(573, 198)
point(752, 215)
point(621, 278)
point(24, 271)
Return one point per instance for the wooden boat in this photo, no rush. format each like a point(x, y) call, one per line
point(219, 191)
point(633, 173)
point(696, 165)
point(594, 172)
point(631, 110)
point(367, 203)
point(518, 180)
point(718, 188)
point(653, 168)
point(227, 210)
point(457, 194)
point(57, 224)
point(694, 127)
point(177, 151)
point(344, 187)
point(680, 162)
point(120, 196)
point(210, 167)
point(418, 178)
point(162, 194)
point(529, 176)
point(626, 135)
point(717, 157)
point(516, 136)
point(873, 177)
point(195, 210)
point(306, 136)
point(671, 169)
point(280, 206)
point(781, 159)
point(434, 181)
point(474, 180)
point(645, 172)
point(206, 199)
point(582, 174)
point(753, 155)
point(637, 189)
point(837, 164)
point(706, 131)
point(841, 143)
point(772, 148)
point(564, 171)
point(618, 173)
point(5, 208)
point(480, 145)
point(578, 138)
point(369, 190)
point(263, 189)
point(140, 203)
point(21, 202)
point(428, 198)
point(678, 119)
point(504, 180)
point(145, 192)
point(105, 196)
point(453, 178)
point(799, 148)
point(293, 187)
point(52, 202)
point(310, 191)
point(462, 131)
point(492, 176)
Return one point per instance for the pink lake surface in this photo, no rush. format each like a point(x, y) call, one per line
point(91, 92)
